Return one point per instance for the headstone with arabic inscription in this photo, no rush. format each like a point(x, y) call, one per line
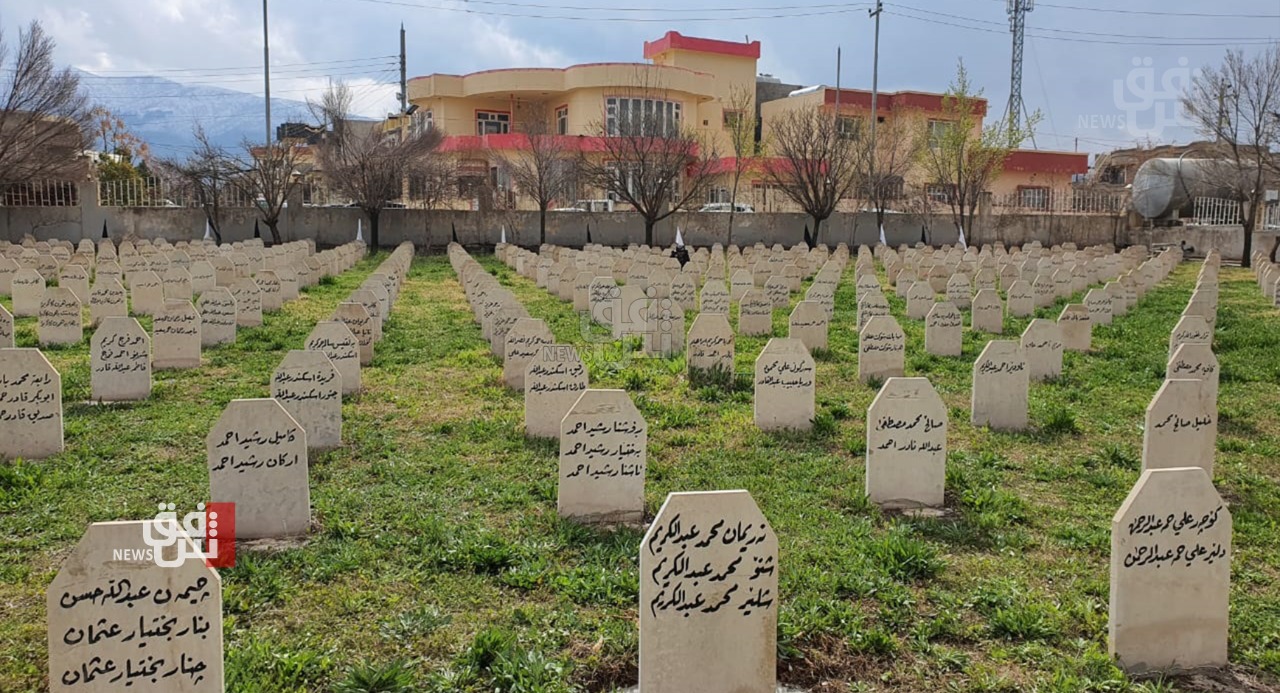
point(710, 344)
point(1042, 346)
point(882, 349)
point(60, 320)
point(808, 323)
point(248, 302)
point(356, 317)
point(1195, 362)
point(906, 445)
point(257, 458)
point(1170, 574)
point(28, 289)
point(709, 596)
point(553, 381)
point(217, 307)
point(1000, 387)
point(603, 441)
point(334, 339)
point(1077, 327)
point(107, 299)
point(120, 621)
point(30, 405)
point(1181, 427)
point(119, 361)
point(987, 312)
point(309, 387)
point(1022, 299)
point(785, 386)
point(6, 329)
point(176, 332)
point(944, 330)
point(755, 314)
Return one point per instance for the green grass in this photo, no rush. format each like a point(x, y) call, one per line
point(438, 562)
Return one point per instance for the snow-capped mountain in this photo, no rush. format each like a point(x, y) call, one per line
point(163, 112)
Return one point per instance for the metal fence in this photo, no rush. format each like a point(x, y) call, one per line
point(162, 192)
point(1215, 211)
point(42, 193)
point(1061, 201)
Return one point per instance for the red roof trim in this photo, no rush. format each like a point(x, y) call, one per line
point(888, 101)
point(557, 69)
point(674, 40)
point(1031, 161)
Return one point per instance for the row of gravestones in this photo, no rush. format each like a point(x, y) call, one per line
point(121, 359)
point(258, 449)
point(60, 315)
point(708, 595)
point(1267, 273)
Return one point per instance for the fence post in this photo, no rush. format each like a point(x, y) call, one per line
point(92, 214)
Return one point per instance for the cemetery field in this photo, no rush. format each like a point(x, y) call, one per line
point(437, 561)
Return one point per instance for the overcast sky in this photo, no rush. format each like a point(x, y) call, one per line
point(1101, 71)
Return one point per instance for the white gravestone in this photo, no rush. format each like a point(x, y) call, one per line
point(1022, 299)
point(785, 386)
point(882, 349)
point(987, 312)
point(76, 278)
point(919, 300)
point(1042, 347)
point(28, 292)
point(176, 331)
point(6, 329)
point(808, 323)
point(309, 387)
point(870, 305)
point(118, 621)
point(248, 302)
point(603, 439)
point(1170, 574)
point(146, 293)
point(257, 458)
point(1181, 427)
point(709, 596)
point(1195, 362)
point(356, 318)
point(554, 380)
point(60, 320)
point(1000, 387)
point(944, 330)
point(119, 361)
point(714, 298)
point(30, 405)
point(755, 314)
point(906, 445)
point(1098, 301)
point(107, 299)
point(1191, 329)
point(710, 344)
point(217, 308)
point(664, 328)
point(524, 341)
point(1077, 327)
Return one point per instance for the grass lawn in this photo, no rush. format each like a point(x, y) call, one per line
point(437, 561)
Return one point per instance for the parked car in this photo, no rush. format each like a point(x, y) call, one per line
point(587, 206)
point(725, 207)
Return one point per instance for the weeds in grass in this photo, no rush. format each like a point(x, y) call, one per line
point(371, 677)
point(1060, 422)
point(903, 556)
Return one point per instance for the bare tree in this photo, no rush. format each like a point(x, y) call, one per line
point(815, 163)
point(884, 164)
point(960, 155)
point(648, 158)
point(45, 119)
point(206, 174)
point(269, 176)
point(1236, 104)
point(545, 170)
point(363, 161)
point(740, 124)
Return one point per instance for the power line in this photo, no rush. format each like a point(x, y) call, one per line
point(1161, 13)
point(1155, 41)
point(97, 73)
point(842, 9)
point(1092, 33)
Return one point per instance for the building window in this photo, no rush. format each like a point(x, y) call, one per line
point(420, 122)
point(849, 128)
point(1033, 197)
point(492, 123)
point(938, 130)
point(732, 119)
point(1113, 175)
point(625, 117)
point(940, 192)
point(562, 120)
point(718, 196)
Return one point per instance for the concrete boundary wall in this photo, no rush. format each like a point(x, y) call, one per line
point(432, 230)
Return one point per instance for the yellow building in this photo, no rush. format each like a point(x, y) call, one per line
point(687, 82)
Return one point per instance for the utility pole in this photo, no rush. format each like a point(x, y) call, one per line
point(838, 61)
point(404, 88)
point(1017, 10)
point(266, 69)
point(875, 77)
